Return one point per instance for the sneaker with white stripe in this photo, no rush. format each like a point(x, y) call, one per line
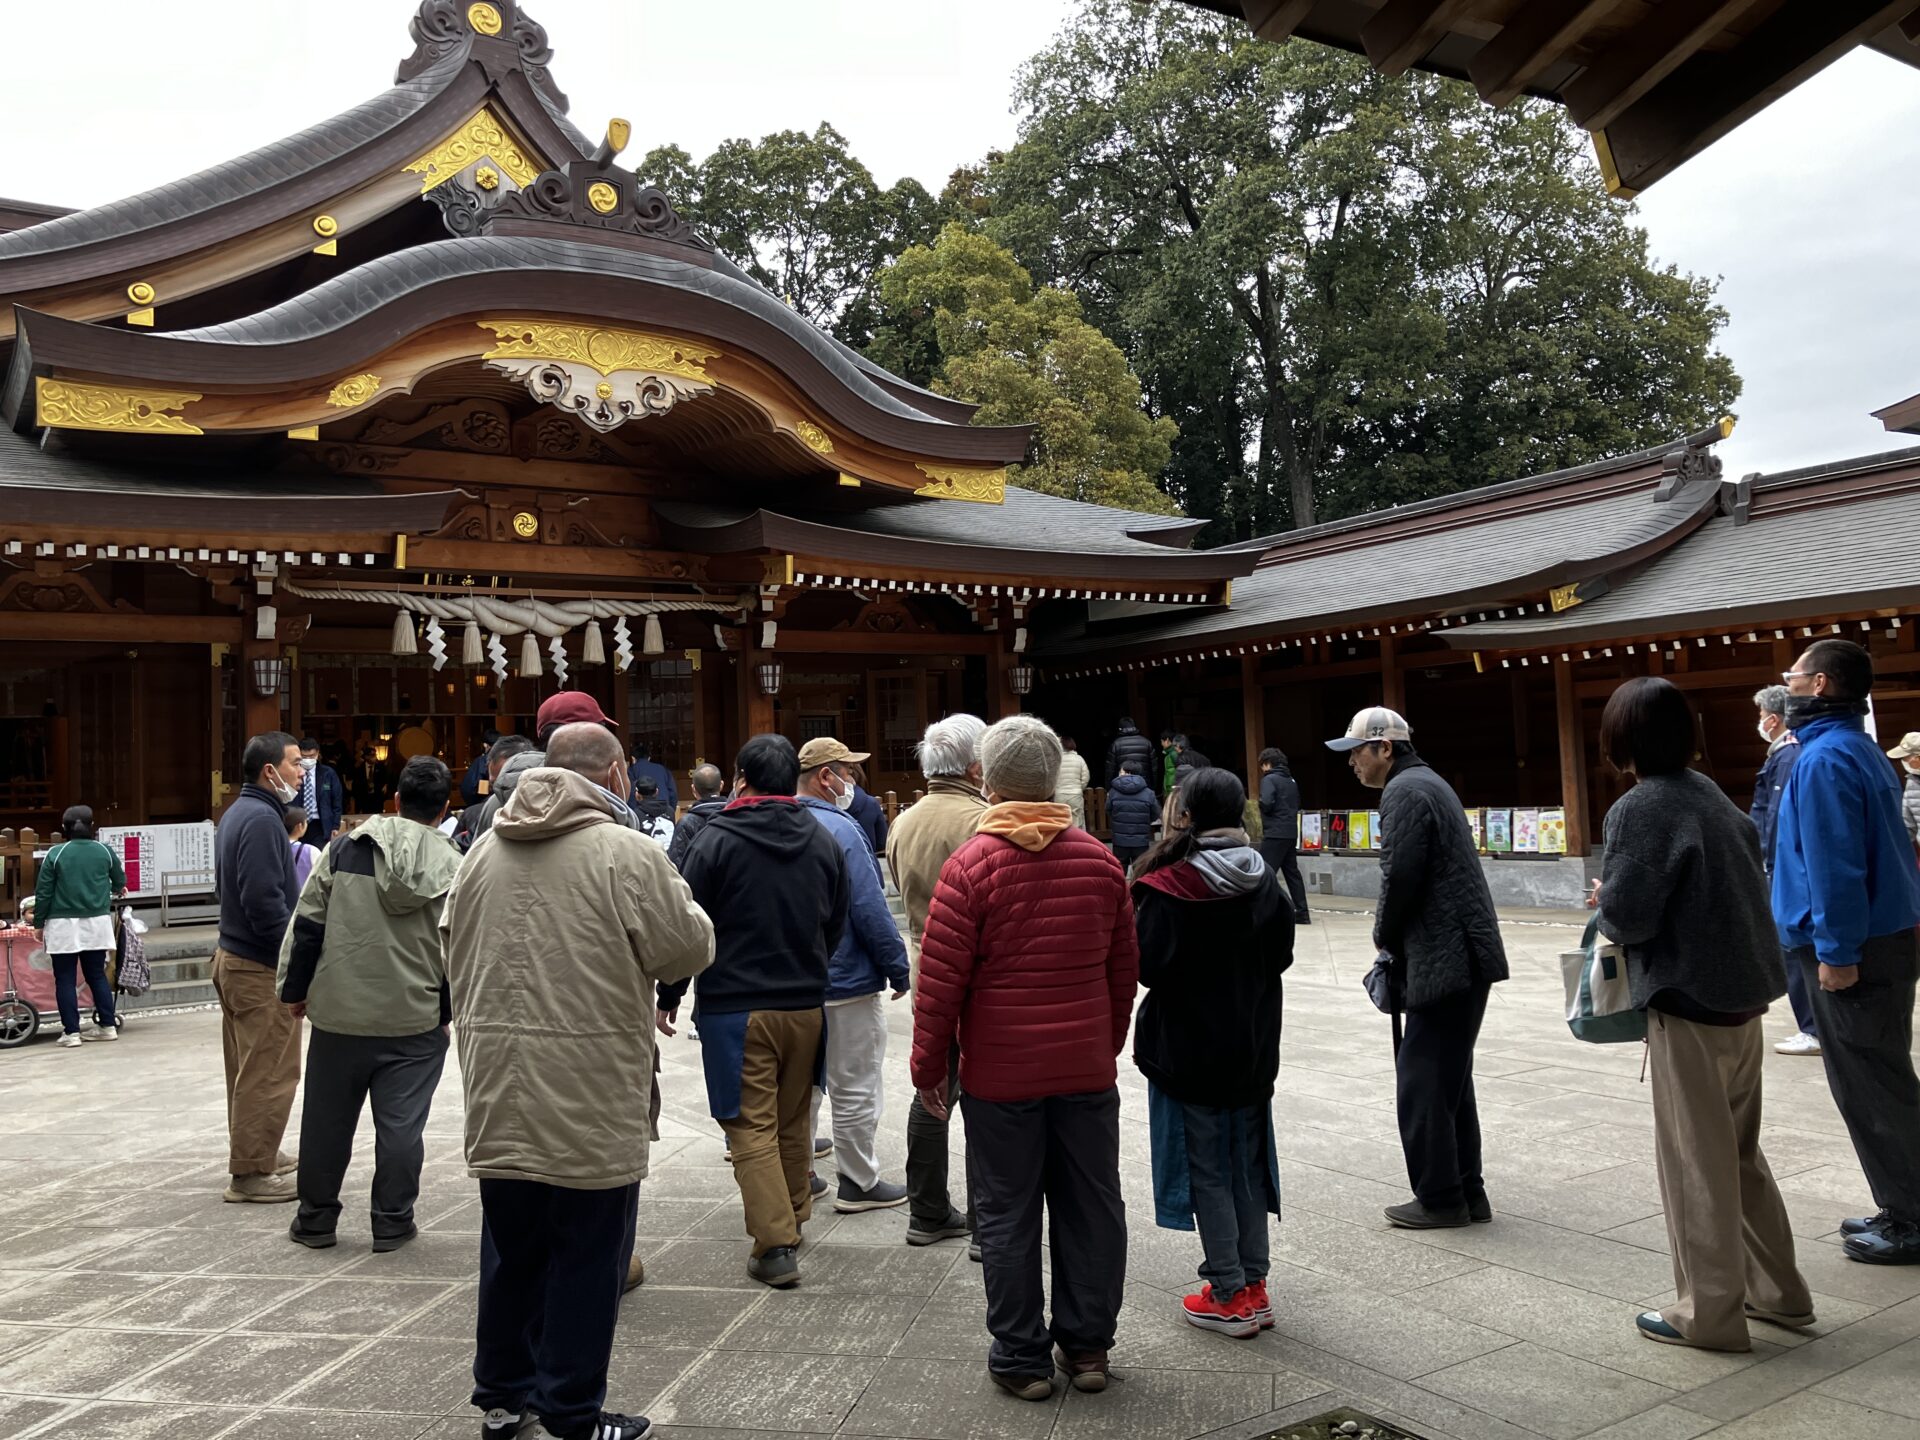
point(608, 1427)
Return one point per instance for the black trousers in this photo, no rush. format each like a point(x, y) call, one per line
point(1064, 1152)
point(929, 1198)
point(399, 1074)
point(1439, 1123)
point(1866, 1041)
point(1284, 861)
point(552, 1263)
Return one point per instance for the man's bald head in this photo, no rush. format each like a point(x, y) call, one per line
point(586, 749)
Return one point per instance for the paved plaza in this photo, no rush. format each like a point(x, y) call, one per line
point(133, 1303)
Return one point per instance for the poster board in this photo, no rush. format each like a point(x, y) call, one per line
point(149, 851)
point(1375, 838)
point(1526, 832)
point(1477, 826)
point(1310, 831)
point(1553, 832)
point(1499, 832)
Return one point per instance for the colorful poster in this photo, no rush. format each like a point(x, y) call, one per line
point(1337, 830)
point(1499, 832)
point(1477, 823)
point(1526, 832)
point(182, 853)
point(1310, 831)
point(1357, 830)
point(1373, 829)
point(1553, 832)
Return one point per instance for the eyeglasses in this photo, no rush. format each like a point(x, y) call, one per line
point(1792, 675)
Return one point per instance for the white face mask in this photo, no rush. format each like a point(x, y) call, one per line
point(1763, 733)
point(307, 762)
point(842, 799)
point(285, 793)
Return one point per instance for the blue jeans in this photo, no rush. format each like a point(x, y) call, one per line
point(1227, 1172)
point(66, 992)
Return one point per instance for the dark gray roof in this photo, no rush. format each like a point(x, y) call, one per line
point(1841, 555)
point(1426, 571)
point(270, 165)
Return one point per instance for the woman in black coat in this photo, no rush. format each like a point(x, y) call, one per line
point(1216, 932)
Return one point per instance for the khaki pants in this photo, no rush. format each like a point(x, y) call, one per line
point(772, 1136)
point(261, 1041)
point(1726, 1222)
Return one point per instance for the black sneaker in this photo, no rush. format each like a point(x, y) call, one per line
point(822, 1147)
point(973, 1252)
point(384, 1243)
point(1480, 1209)
point(1897, 1242)
point(777, 1267)
point(498, 1424)
point(816, 1184)
point(608, 1427)
point(1415, 1216)
point(884, 1195)
point(312, 1239)
point(1864, 1224)
point(954, 1227)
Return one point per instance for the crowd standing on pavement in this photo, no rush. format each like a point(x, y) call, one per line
point(555, 934)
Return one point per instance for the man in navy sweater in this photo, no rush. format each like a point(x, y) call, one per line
point(253, 871)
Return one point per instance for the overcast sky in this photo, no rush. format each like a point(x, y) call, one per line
point(1809, 213)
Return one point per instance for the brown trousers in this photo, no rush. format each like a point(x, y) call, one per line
point(1726, 1223)
point(772, 1136)
point(261, 1042)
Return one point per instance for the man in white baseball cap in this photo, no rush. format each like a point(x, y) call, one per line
point(1435, 918)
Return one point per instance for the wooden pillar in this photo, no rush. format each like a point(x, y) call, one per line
point(1137, 701)
point(260, 713)
point(756, 708)
point(1253, 717)
point(1573, 757)
point(1001, 699)
point(1393, 680)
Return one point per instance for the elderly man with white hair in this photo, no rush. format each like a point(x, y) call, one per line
point(1029, 961)
point(926, 833)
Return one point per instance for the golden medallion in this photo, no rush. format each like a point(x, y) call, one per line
point(603, 197)
point(325, 226)
point(484, 18)
point(526, 524)
point(140, 293)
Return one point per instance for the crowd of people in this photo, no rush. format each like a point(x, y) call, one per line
point(556, 936)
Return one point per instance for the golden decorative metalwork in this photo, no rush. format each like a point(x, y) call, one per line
point(603, 390)
point(484, 18)
point(354, 390)
point(606, 350)
point(304, 432)
point(951, 482)
point(618, 133)
point(487, 178)
point(526, 524)
point(325, 226)
point(143, 318)
point(602, 197)
point(1564, 597)
point(140, 293)
point(482, 137)
point(814, 438)
point(69, 405)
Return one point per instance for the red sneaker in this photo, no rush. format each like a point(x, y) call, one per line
point(1233, 1317)
point(1262, 1307)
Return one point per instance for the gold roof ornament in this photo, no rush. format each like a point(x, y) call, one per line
point(69, 405)
point(953, 482)
point(813, 437)
point(354, 390)
point(484, 18)
point(483, 137)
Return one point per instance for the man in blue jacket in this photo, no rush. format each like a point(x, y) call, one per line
point(1846, 899)
point(321, 793)
point(1768, 785)
point(253, 872)
point(643, 764)
point(870, 958)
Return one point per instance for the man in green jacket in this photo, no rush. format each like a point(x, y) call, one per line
point(362, 962)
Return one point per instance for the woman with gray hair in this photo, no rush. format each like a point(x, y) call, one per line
point(1768, 786)
point(1029, 962)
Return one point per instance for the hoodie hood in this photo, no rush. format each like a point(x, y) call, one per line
point(547, 802)
point(413, 864)
point(1030, 824)
point(1229, 869)
point(514, 769)
point(775, 825)
point(1128, 784)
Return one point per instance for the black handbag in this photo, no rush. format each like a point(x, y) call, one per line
point(1386, 985)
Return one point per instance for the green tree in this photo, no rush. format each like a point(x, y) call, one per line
point(963, 316)
point(801, 215)
point(1349, 290)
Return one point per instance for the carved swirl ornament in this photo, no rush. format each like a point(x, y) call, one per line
point(606, 377)
point(483, 137)
point(67, 405)
point(354, 390)
point(813, 437)
point(949, 482)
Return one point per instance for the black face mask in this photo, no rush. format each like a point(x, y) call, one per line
point(1803, 709)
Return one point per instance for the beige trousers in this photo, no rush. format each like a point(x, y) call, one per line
point(261, 1042)
point(772, 1136)
point(1726, 1222)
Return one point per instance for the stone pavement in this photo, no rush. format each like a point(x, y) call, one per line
point(134, 1303)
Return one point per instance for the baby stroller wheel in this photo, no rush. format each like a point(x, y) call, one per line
point(19, 1022)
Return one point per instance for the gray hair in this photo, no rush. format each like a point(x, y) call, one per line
point(950, 746)
point(1772, 699)
point(1020, 758)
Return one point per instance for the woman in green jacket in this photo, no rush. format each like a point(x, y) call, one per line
point(73, 906)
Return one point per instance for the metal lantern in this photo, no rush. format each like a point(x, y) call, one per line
point(768, 673)
point(1021, 678)
point(269, 672)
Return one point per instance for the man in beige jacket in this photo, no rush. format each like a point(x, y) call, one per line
point(921, 840)
point(558, 928)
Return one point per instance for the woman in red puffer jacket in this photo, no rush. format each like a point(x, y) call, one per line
point(1030, 958)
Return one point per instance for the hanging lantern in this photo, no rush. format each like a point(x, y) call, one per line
point(652, 642)
point(403, 641)
point(471, 652)
point(593, 650)
point(530, 656)
point(768, 673)
point(1020, 678)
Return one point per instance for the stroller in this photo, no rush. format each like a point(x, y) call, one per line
point(28, 992)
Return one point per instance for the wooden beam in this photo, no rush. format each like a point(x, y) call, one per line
point(122, 629)
point(1573, 758)
point(1646, 55)
point(1538, 34)
point(864, 642)
point(1275, 20)
point(1401, 32)
point(1713, 93)
point(482, 557)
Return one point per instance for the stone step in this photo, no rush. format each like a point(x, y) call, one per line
point(167, 993)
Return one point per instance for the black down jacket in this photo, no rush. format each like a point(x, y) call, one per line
point(1132, 745)
point(1435, 911)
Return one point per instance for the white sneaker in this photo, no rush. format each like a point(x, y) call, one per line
point(69, 1042)
point(1798, 1044)
point(102, 1032)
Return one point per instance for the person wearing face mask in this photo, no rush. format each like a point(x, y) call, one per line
point(869, 959)
point(1907, 756)
point(1782, 751)
point(1846, 899)
point(253, 872)
point(322, 795)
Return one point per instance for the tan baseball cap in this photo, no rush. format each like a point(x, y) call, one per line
point(1909, 746)
point(1376, 722)
point(828, 751)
